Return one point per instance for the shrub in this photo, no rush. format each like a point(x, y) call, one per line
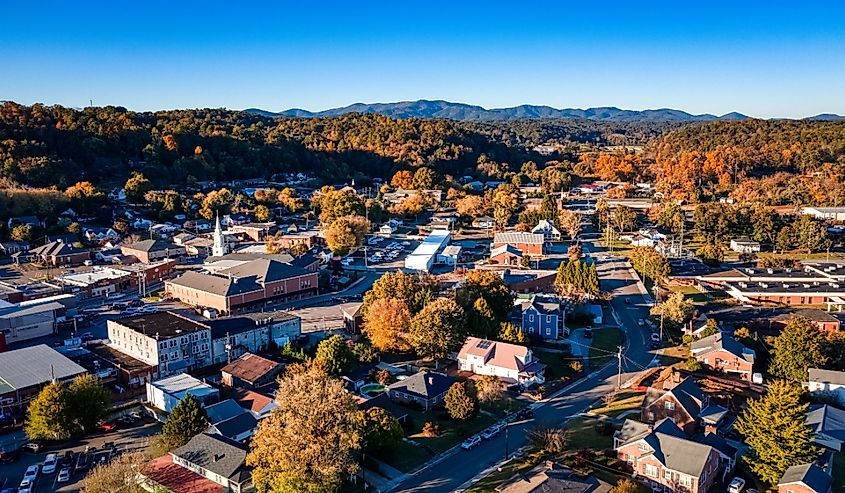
point(432, 429)
point(576, 366)
point(693, 364)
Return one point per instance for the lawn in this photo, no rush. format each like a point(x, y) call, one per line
point(584, 435)
point(674, 356)
point(625, 401)
point(502, 407)
point(557, 364)
point(520, 465)
point(690, 293)
point(407, 457)
point(603, 348)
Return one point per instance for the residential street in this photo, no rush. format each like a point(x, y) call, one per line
point(454, 474)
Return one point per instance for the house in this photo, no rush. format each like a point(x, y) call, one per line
point(549, 477)
point(167, 341)
point(250, 371)
point(681, 400)
point(547, 229)
point(827, 382)
point(512, 363)
point(484, 222)
point(506, 255)
point(527, 243)
point(227, 418)
point(386, 229)
point(10, 247)
point(58, 253)
point(722, 352)
point(820, 318)
point(258, 404)
point(353, 317)
point(805, 478)
point(236, 219)
point(26, 220)
point(665, 459)
point(257, 283)
point(745, 245)
point(543, 318)
point(254, 231)
point(148, 251)
point(100, 234)
point(218, 459)
point(165, 394)
point(24, 372)
point(827, 424)
point(425, 389)
point(529, 281)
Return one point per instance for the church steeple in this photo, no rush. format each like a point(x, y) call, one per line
point(219, 248)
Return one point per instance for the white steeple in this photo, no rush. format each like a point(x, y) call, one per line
point(219, 248)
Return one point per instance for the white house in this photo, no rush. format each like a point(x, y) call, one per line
point(484, 222)
point(547, 229)
point(510, 362)
point(745, 245)
point(166, 393)
point(828, 382)
point(826, 213)
point(386, 229)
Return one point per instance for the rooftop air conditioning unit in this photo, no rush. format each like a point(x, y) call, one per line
point(770, 271)
point(764, 285)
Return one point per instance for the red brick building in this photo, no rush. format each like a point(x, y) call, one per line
point(148, 251)
point(527, 243)
point(723, 353)
point(57, 253)
point(506, 255)
point(822, 319)
point(679, 400)
point(665, 459)
point(805, 478)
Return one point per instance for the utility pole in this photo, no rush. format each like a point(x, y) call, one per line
point(619, 368)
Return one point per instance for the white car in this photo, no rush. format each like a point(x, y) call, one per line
point(736, 486)
point(470, 442)
point(31, 473)
point(655, 337)
point(25, 486)
point(64, 475)
point(50, 463)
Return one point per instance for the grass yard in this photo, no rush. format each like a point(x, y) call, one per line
point(691, 293)
point(454, 432)
point(626, 401)
point(674, 356)
point(407, 457)
point(555, 363)
point(603, 348)
point(584, 435)
point(502, 407)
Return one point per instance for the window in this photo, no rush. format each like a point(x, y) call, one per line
point(530, 318)
point(548, 331)
point(685, 481)
point(651, 471)
point(643, 447)
point(669, 405)
point(651, 416)
point(548, 318)
point(667, 474)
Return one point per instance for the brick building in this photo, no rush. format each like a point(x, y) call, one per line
point(676, 399)
point(527, 243)
point(723, 353)
point(148, 251)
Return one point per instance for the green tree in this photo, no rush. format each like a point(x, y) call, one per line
point(380, 431)
point(810, 233)
point(136, 186)
point(437, 329)
point(649, 263)
point(512, 333)
point(424, 179)
point(334, 204)
point(22, 232)
point(798, 347)
point(671, 217)
point(785, 239)
point(624, 218)
point(335, 355)
point(460, 402)
point(776, 432)
point(763, 224)
point(481, 321)
point(89, 401)
point(48, 416)
point(346, 233)
point(676, 309)
point(711, 254)
point(187, 420)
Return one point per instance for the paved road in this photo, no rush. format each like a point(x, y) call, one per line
point(452, 473)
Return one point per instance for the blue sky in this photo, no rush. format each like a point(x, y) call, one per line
point(765, 59)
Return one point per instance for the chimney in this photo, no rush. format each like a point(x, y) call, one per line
point(550, 465)
point(217, 457)
point(431, 380)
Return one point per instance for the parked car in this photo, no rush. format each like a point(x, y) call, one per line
point(50, 463)
point(9, 456)
point(68, 459)
point(86, 336)
point(64, 475)
point(25, 486)
point(149, 309)
point(470, 442)
point(736, 486)
point(33, 447)
point(588, 333)
point(655, 337)
point(109, 425)
point(490, 432)
point(31, 473)
point(641, 322)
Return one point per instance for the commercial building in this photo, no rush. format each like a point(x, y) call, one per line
point(527, 243)
point(232, 337)
point(826, 213)
point(29, 320)
point(745, 245)
point(166, 393)
point(250, 371)
point(423, 257)
point(148, 251)
point(253, 284)
point(23, 372)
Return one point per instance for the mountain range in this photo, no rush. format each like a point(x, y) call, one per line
point(459, 111)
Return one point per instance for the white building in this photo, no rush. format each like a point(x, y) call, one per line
point(826, 213)
point(744, 245)
point(449, 255)
point(510, 362)
point(24, 321)
point(547, 229)
point(422, 258)
point(166, 393)
point(827, 382)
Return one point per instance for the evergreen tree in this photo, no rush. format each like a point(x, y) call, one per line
point(48, 416)
point(799, 347)
point(187, 420)
point(776, 432)
point(482, 321)
point(460, 402)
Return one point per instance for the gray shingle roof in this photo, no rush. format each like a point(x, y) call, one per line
point(426, 384)
point(827, 376)
point(809, 474)
point(720, 341)
point(827, 420)
point(26, 367)
point(232, 427)
point(55, 248)
point(687, 393)
point(215, 453)
point(153, 246)
point(675, 451)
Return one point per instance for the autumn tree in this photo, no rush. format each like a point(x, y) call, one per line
point(84, 196)
point(649, 263)
point(48, 416)
point(135, 188)
point(489, 286)
point(471, 206)
point(187, 420)
point(216, 202)
point(380, 431)
point(711, 254)
point(425, 178)
point(22, 232)
point(460, 402)
point(512, 333)
point(437, 329)
point(676, 309)
point(308, 443)
point(403, 179)
point(262, 213)
point(489, 389)
point(119, 474)
point(625, 485)
point(570, 223)
point(334, 355)
point(386, 324)
point(412, 205)
point(776, 431)
point(346, 233)
point(798, 347)
point(333, 204)
point(413, 290)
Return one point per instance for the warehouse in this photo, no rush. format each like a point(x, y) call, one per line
point(422, 258)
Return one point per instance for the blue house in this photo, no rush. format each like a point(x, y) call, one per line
point(543, 318)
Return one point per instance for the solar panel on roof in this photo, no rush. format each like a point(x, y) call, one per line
point(483, 344)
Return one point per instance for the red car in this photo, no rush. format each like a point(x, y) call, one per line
point(109, 425)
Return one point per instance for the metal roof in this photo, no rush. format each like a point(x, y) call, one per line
point(31, 366)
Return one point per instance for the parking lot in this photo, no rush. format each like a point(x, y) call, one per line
point(96, 448)
point(381, 252)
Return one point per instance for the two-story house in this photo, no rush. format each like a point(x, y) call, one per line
point(830, 382)
point(665, 459)
point(543, 317)
point(722, 352)
point(676, 399)
point(510, 362)
point(805, 478)
point(218, 459)
point(547, 229)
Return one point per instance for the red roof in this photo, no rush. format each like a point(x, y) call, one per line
point(178, 479)
point(253, 401)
